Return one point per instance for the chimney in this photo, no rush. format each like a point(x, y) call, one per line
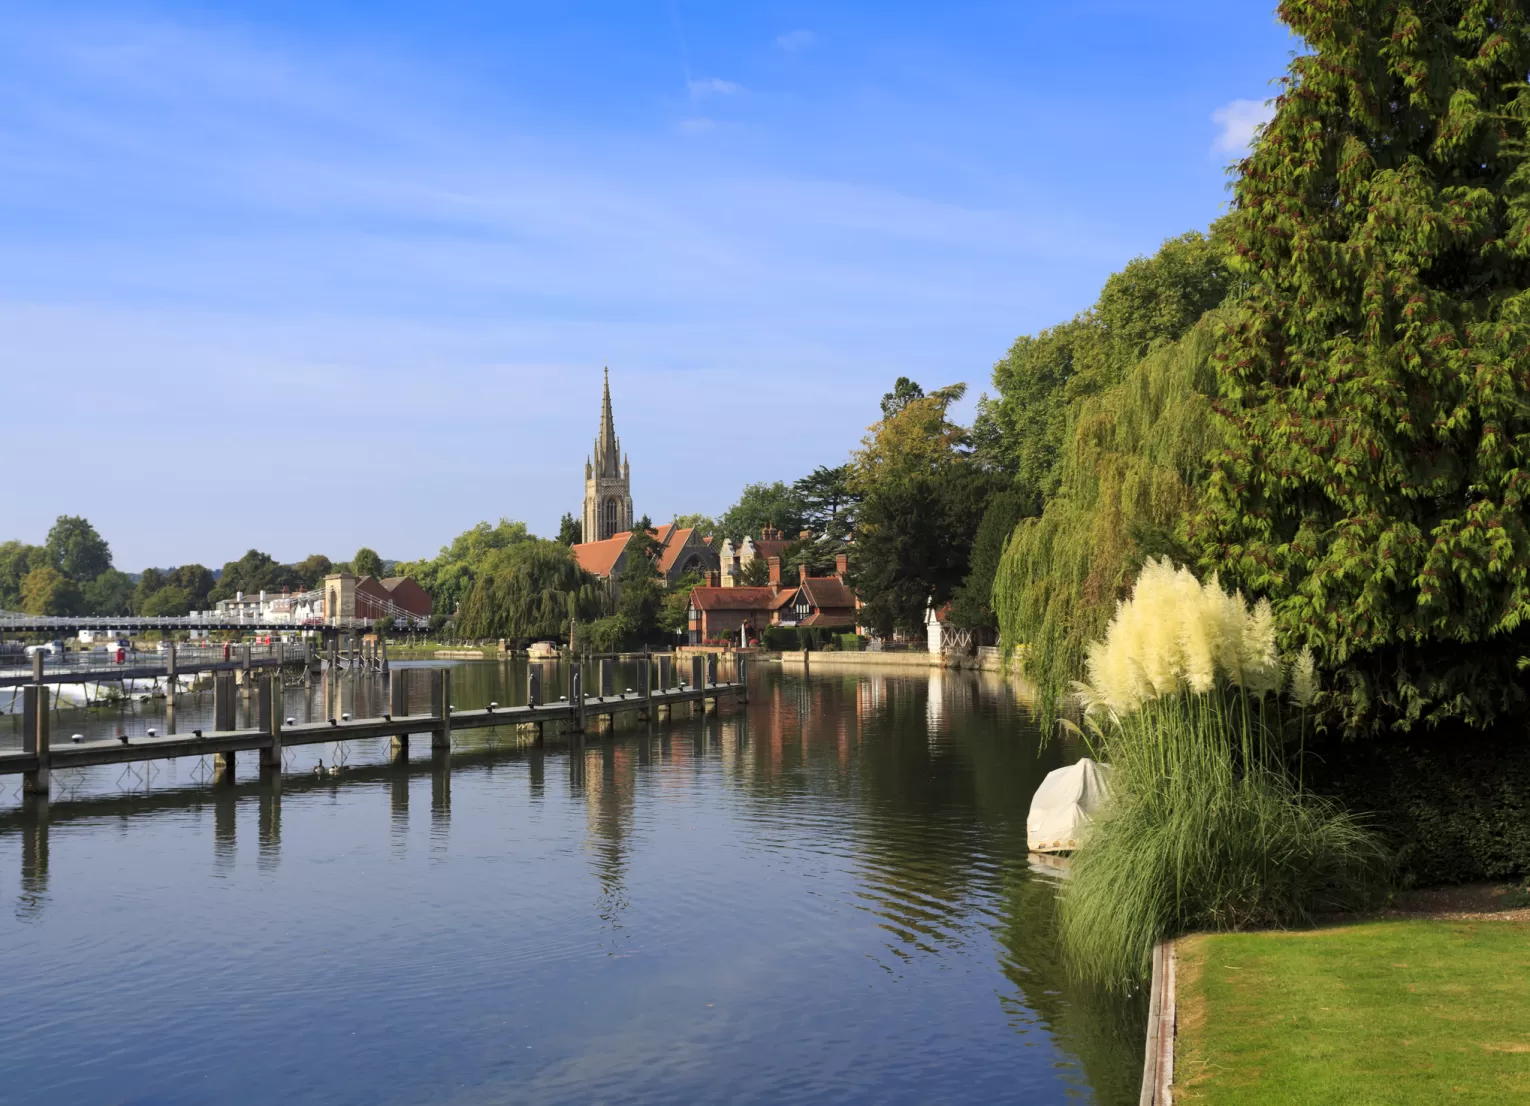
point(775, 572)
point(713, 580)
point(805, 535)
point(841, 564)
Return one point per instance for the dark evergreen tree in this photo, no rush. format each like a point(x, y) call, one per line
point(1374, 369)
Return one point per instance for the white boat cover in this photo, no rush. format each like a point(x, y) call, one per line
point(1063, 804)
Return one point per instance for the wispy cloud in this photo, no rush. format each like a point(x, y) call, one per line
point(1237, 123)
point(712, 86)
point(796, 40)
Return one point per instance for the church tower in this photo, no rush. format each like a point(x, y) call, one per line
point(607, 480)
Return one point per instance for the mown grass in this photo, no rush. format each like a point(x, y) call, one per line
point(1394, 1012)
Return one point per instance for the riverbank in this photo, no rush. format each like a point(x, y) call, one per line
point(1397, 1010)
point(982, 662)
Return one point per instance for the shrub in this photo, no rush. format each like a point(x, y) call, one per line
point(1205, 828)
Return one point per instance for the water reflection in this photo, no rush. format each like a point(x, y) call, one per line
point(837, 871)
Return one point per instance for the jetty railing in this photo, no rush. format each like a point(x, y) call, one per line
point(658, 693)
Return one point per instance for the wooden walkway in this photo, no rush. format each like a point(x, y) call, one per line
point(41, 754)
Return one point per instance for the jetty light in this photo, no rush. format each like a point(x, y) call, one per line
point(153, 733)
point(77, 738)
point(345, 718)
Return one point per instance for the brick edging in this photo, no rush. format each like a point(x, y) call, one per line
point(1158, 1057)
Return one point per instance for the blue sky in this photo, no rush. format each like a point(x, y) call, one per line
point(308, 276)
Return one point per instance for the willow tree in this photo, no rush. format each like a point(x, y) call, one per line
point(526, 591)
point(1376, 369)
point(1130, 473)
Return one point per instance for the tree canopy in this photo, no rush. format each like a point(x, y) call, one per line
point(75, 549)
point(522, 593)
point(1372, 369)
point(762, 505)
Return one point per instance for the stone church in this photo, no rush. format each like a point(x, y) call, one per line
point(607, 480)
point(609, 518)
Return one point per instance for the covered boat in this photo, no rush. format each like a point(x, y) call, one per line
point(1064, 804)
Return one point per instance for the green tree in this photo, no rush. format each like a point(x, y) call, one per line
point(828, 501)
point(1152, 302)
point(904, 392)
point(311, 570)
point(367, 563)
point(16, 560)
point(570, 530)
point(1372, 373)
point(253, 573)
point(109, 593)
point(450, 575)
point(75, 549)
point(167, 602)
point(972, 603)
point(525, 593)
point(150, 581)
point(704, 524)
point(47, 591)
point(1130, 473)
point(640, 592)
point(761, 506)
point(195, 580)
point(915, 541)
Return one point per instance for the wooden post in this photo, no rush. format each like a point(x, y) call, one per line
point(384, 654)
point(270, 712)
point(576, 699)
point(224, 717)
point(645, 673)
point(170, 670)
point(34, 736)
point(699, 678)
point(533, 685)
point(742, 678)
point(441, 709)
point(607, 677)
point(398, 707)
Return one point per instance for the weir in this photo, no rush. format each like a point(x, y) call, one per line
point(40, 754)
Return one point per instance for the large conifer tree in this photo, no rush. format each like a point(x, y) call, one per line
point(1376, 375)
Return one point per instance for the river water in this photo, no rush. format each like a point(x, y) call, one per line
point(822, 897)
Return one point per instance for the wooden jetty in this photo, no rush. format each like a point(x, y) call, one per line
point(659, 693)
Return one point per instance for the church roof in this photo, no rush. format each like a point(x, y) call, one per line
point(673, 542)
point(600, 557)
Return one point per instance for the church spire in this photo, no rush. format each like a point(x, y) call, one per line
point(607, 452)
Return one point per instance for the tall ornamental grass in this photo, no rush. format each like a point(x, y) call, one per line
point(1205, 828)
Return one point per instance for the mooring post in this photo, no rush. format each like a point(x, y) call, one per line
point(37, 667)
point(534, 693)
point(607, 677)
point(34, 736)
point(170, 670)
point(699, 679)
point(576, 699)
point(224, 717)
point(269, 713)
point(398, 707)
point(741, 676)
point(441, 710)
point(710, 671)
point(645, 673)
point(385, 656)
point(245, 664)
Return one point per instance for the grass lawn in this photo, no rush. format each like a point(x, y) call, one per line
point(1395, 1012)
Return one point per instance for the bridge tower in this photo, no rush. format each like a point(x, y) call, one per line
point(339, 598)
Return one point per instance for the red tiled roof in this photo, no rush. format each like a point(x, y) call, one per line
point(828, 593)
point(828, 618)
point(731, 599)
point(784, 599)
point(598, 557)
point(672, 541)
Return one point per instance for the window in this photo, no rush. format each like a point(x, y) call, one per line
point(608, 527)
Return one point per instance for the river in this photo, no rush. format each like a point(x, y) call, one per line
point(822, 897)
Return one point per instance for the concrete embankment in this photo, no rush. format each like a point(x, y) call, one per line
point(907, 660)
